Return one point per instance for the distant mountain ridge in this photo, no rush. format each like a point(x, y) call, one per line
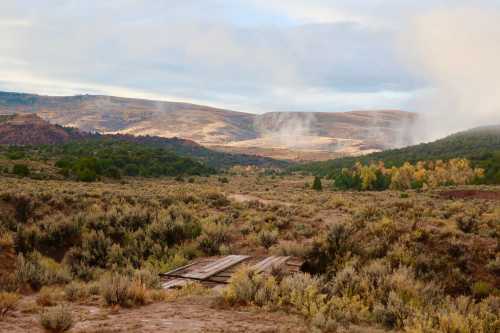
point(334, 133)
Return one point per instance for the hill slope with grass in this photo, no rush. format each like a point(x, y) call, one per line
point(480, 145)
point(31, 130)
point(284, 135)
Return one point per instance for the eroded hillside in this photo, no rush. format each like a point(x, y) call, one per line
point(289, 135)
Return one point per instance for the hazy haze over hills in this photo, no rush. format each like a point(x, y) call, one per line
point(307, 132)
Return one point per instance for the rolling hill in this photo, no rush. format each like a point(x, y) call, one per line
point(288, 135)
point(481, 145)
point(31, 130)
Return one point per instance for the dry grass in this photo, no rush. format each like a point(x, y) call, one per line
point(391, 263)
point(57, 319)
point(8, 303)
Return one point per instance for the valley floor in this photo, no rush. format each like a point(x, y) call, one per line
point(287, 208)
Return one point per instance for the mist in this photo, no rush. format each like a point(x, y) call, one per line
point(456, 51)
point(291, 130)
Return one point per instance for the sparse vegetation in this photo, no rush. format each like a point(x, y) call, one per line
point(409, 262)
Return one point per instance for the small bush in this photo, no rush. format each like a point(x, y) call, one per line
point(243, 286)
point(57, 319)
point(214, 234)
point(24, 207)
point(481, 289)
point(8, 302)
point(48, 296)
point(267, 238)
point(494, 266)
point(21, 170)
point(223, 180)
point(28, 272)
point(114, 289)
point(317, 184)
point(117, 289)
point(466, 223)
point(149, 278)
point(76, 291)
point(137, 293)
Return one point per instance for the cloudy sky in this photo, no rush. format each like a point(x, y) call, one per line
point(248, 55)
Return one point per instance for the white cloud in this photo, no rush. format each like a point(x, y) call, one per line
point(319, 55)
point(312, 11)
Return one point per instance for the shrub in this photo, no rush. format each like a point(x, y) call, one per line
point(75, 291)
point(8, 302)
point(302, 291)
point(53, 272)
point(329, 253)
point(21, 170)
point(243, 286)
point(267, 238)
point(223, 180)
point(48, 296)
point(214, 234)
point(137, 293)
point(317, 186)
point(57, 319)
point(114, 289)
point(494, 265)
point(481, 289)
point(28, 272)
point(149, 278)
point(466, 223)
point(294, 249)
point(117, 289)
point(23, 206)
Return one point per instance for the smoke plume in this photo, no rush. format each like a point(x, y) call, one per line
point(457, 51)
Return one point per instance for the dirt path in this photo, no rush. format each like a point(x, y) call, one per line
point(186, 315)
point(238, 197)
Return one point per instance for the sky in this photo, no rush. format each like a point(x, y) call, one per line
point(256, 55)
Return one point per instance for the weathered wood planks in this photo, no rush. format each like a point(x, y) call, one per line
point(269, 262)
point(215, 271)
point(216, 267)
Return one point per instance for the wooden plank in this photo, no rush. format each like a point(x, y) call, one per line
point(216, 267)
point(172, 272)
point(269, 262)
point(175, 283)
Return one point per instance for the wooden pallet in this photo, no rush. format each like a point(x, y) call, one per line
point(200, 271)
point(215, 271)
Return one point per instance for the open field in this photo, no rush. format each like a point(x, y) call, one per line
point(380, 260)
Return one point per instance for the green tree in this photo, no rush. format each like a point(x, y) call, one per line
point(317, 184)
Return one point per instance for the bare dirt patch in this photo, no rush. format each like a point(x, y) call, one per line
point(238, 197)
point(183, 315)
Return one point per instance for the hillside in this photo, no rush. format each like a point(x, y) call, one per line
point(31, 130)
point(288, 135)
point(481, 145)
